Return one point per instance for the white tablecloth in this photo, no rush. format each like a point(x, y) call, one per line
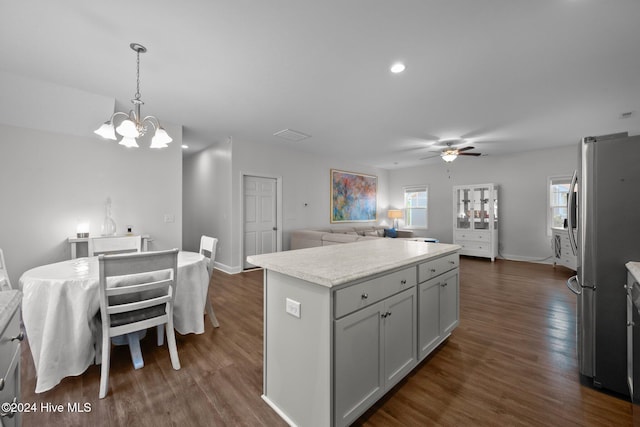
point(61, 301)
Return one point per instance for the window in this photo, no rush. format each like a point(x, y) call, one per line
point(415, 206)
point(558, 196)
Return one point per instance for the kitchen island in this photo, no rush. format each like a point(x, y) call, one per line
point(344, 323)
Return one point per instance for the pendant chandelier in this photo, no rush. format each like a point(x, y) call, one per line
point(134, 126)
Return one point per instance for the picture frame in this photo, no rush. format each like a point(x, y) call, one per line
point(354, 197)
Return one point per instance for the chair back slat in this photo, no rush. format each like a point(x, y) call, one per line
point(138, 305)
point(130, 289)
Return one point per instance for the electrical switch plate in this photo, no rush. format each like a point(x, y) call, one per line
point(293, 308)
point(169, 218)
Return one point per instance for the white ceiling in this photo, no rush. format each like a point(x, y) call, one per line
point(509, 75)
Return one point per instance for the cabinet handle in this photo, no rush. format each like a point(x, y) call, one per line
point(433, 270)
point(444, 284)
point(452, 262)
point(18, 337)
point(365, 296)
point(383, 315)
point(630, 323)
point(403, 281)
point(9, 414)
point(1, 384)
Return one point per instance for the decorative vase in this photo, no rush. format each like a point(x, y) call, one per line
point(108, 225)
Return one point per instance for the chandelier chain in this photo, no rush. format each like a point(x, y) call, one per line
point(137, 95)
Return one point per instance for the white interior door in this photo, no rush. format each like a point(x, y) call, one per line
point(260, 217)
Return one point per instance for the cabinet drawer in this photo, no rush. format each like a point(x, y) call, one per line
point(363, 294)
point(474, 246)
point(8, 347)
point(436, 267)
point(481, 236)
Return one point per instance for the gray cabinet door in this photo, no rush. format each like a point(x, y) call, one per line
point(428, 316)
point(400, 335)
point(449, 305)
point(359, 379)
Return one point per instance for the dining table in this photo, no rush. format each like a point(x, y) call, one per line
point(60, 309)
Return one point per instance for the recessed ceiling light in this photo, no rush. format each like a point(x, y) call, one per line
point(184, 146)
point(398, 67)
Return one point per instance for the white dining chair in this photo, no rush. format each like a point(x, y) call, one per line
point(114, 245)
point(208, 249)
point(137, 291)
point(5, 284)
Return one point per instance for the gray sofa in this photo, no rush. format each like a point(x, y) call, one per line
point(301, 239)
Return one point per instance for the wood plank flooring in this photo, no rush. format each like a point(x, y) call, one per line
point(511, 361)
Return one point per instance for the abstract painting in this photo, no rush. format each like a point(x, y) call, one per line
point(353, 196)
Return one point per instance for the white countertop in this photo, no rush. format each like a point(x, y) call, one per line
point(338, 264)
point(634, 268)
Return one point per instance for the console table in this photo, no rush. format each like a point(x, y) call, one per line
point(74, 241)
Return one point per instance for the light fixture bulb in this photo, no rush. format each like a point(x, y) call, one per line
point(162, 136)
point(129, 142)
point(128, 129)
point(106, 130)
point(156, 144)
point(449, 157)
point(398, 67)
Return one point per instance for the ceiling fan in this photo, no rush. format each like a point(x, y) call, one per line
point(450, 153)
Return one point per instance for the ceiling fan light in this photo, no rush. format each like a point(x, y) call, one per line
point(129, 142)
point(106, 131)
point(398, 67)
point(449, 157)
point(128, 129)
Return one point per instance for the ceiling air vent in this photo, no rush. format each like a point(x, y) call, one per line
point(291, 135)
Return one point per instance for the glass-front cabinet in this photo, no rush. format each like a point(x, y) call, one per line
point(475, 220)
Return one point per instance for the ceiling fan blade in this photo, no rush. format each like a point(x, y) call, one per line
point(460, 150)
point(470, 154)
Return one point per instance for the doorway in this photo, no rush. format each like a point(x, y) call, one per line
point(261, 232)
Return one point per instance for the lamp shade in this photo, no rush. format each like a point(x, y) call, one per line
point(394, 213)
point(162, 137)
point(128, 129)
point(129, 142)
point(449, 157)
point(106, 131)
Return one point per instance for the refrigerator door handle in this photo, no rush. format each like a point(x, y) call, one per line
point(574, 288)
point(570, 203)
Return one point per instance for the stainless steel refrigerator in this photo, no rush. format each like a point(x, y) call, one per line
point(607, 222)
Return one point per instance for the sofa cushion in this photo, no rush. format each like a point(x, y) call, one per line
point(371, 233)
point(339, 238)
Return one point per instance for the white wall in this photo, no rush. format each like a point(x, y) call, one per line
point(522, 197)
point(206, 195)
point(52, 178)
point(305, 182)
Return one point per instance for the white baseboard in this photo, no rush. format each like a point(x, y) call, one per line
point(226, 268)
point(511, 257)
point(278, 411)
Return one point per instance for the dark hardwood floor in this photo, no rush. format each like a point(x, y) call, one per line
point(511, 361)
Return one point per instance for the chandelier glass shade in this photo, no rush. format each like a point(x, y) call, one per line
point(133, 125)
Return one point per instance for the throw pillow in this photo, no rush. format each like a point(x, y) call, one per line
point(390, 232)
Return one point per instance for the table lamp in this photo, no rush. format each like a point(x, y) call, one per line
point(82, 230)
point(394, 214)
